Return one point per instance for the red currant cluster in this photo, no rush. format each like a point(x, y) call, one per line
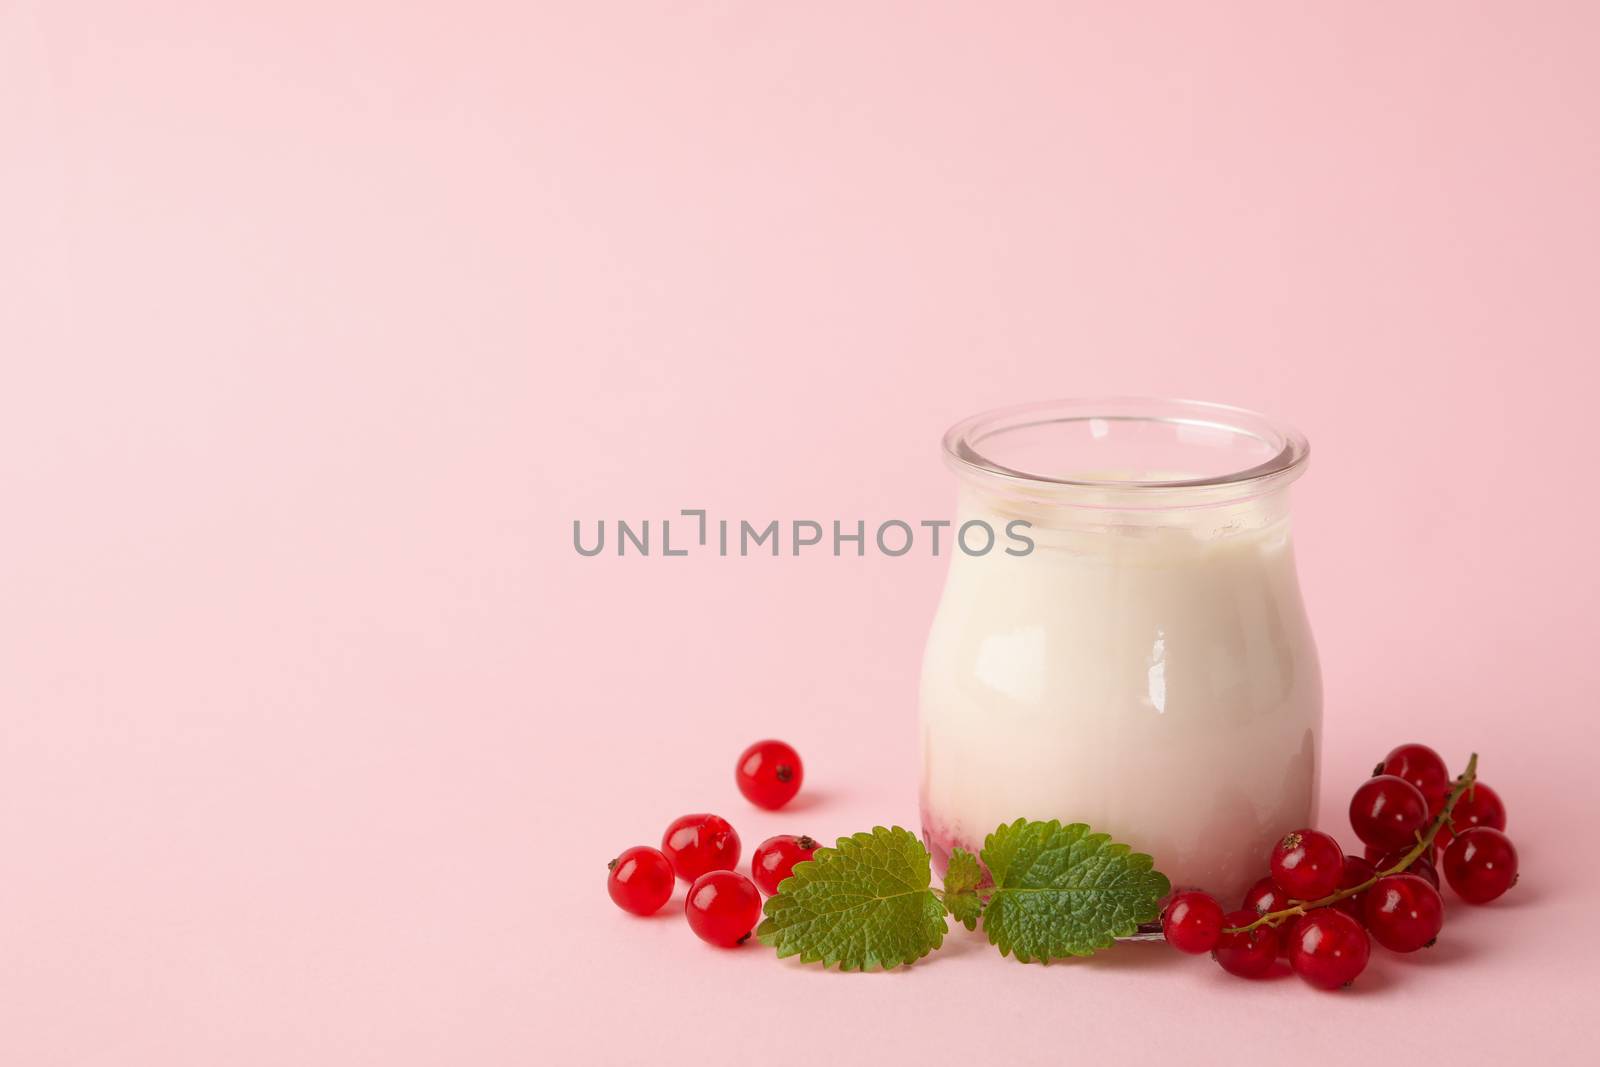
point(1321, 909)
point(722, 905)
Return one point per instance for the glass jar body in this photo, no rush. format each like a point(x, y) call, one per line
point(1150, 673)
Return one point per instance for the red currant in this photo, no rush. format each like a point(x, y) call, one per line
point(1388, 812)
point(640, 880)
point(1328, 948)
point(723, 907)
point(774, 859)
point(1248, 955)
point(696, 844)
point(1480, 864)
point(1356, 871)
point(769, 774)
point(1383, 857)
point(1265, 896)
point(1404, 913)
point(1192, 922)
point(1307, 864)
point(1478, 806)
point(1422, 866)
point(1422, 767)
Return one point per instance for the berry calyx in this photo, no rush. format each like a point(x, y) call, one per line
point(722, 908)
point(1403, 912)
point(1388, 811)
point(640, 880)
point(1480, 864)
point(1250, 954)
point(1307, 864)
point(774, 859)
point(769, 774)
point(1356, 871)
point(1328, 948)
point(695, 844)
point(1192, 922)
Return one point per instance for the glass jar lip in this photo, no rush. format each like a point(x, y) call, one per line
point(1289, 448)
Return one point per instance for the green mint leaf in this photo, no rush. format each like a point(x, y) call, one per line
point(864, 904)
point(961, 888)
point(1064, 891)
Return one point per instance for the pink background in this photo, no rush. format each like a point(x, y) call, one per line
point(320, 323)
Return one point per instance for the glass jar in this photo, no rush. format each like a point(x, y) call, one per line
point(1131, 650)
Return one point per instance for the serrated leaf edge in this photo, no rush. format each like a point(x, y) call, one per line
point(1142, 863)
point(806, 870)
point(957, 897)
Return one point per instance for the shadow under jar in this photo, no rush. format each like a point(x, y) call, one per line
point(1146, 667)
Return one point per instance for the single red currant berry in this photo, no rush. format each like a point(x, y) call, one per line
point(1328, 948)
point(640, 880)
point(1404, 913)
point(774, 859)
point(769, 774)
point(1422, 866)
point(1419, 765)
point(723, 907)
point(1248, 955)
point(1480, 864)
point(1478, 806)
point(1265, 896)
point(695, 844)
point(1192, 922)
point(1307, 864)
point(1388, 811)
point(1356, 871)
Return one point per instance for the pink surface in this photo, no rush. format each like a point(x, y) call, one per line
point(321, 323)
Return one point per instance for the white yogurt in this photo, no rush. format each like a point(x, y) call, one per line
point(1150, 673)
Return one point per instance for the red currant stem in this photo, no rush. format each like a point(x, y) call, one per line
point(1424, 842)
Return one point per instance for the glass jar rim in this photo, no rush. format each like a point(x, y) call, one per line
point(1282, 451)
